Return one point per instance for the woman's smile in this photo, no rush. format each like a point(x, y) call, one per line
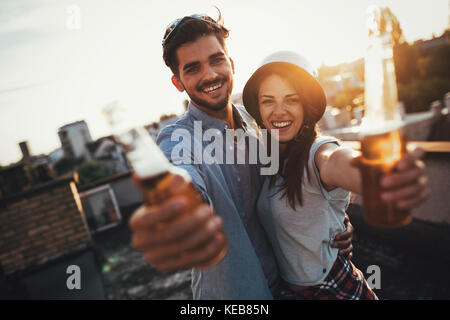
point(281, 124)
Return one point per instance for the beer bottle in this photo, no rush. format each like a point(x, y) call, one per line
point(161, 180)
point(382, 132)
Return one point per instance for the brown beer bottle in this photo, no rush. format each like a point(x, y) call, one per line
point(380, 153)
point(382, 130)
point(160, 181)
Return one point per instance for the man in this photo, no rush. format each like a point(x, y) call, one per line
point(194, 49)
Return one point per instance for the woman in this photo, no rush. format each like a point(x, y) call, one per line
point(302, 207)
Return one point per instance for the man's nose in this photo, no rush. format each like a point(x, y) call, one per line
point(209, 73)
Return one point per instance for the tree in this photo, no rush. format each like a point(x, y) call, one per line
point(436, 63)
point(167, 116)
point(405, 60)
point(65, 165)
point(423, 75)
point(91, 171)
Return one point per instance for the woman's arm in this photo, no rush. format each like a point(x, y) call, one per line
point(335, 170)
point(406, 186)
point(334, 164)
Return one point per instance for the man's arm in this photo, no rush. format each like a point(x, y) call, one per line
point(343, 241)
point(181, 243)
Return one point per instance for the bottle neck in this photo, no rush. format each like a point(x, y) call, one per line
point(145, 156)
point(381, 100)
point(381, 45)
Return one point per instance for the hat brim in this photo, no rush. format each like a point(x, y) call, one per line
point(311, 86)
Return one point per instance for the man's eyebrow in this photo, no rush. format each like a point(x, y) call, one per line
point(216, 55)
point(195, 63)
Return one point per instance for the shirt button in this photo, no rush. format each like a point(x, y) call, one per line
point(239, 179)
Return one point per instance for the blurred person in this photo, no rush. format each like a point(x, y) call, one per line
point(194, 49)
point(302, 207)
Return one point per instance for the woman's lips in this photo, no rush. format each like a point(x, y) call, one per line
point(282, 126)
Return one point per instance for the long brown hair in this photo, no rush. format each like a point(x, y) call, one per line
point(293, 164)
point(294, 159)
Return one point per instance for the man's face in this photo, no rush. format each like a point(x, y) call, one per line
point(205, 72)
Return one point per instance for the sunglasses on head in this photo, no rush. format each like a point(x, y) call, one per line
point(172, 27)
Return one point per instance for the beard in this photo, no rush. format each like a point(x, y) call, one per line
point(225, 81)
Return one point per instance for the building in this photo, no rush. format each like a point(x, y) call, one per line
point(335, 118)
point(338, 83)
point(43, 230)
point(155, 127)
point(30, 170)
point(55, 156)
point(14, 178)
point(110, 152)
point(74, 137)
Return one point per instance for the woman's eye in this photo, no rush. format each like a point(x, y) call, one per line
point(266, 102)
point(292, 101)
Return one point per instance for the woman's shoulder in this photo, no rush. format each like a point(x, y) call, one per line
point(321, 140)
point(324, 139)
point(314, 165)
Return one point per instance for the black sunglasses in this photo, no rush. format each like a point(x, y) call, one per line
point(172, 27)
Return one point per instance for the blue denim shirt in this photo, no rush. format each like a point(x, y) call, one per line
point(249, 269)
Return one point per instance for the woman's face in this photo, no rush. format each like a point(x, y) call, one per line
point(280, 107)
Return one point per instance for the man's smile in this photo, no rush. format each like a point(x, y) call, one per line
point(212, 89)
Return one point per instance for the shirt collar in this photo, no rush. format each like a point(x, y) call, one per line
point(209, 121)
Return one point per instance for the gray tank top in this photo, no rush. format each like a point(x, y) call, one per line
point(301, 238)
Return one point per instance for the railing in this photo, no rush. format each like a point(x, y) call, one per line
point(427, 146)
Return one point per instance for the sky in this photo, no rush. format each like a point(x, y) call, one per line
point(62, 61)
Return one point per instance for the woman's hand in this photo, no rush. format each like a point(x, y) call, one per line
point(343, 241)
point(407, 186)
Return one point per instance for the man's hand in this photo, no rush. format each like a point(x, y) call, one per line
point(171, 245)
point(343, 241)
point(407, 185)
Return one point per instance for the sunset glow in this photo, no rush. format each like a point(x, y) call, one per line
point(52, 75)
